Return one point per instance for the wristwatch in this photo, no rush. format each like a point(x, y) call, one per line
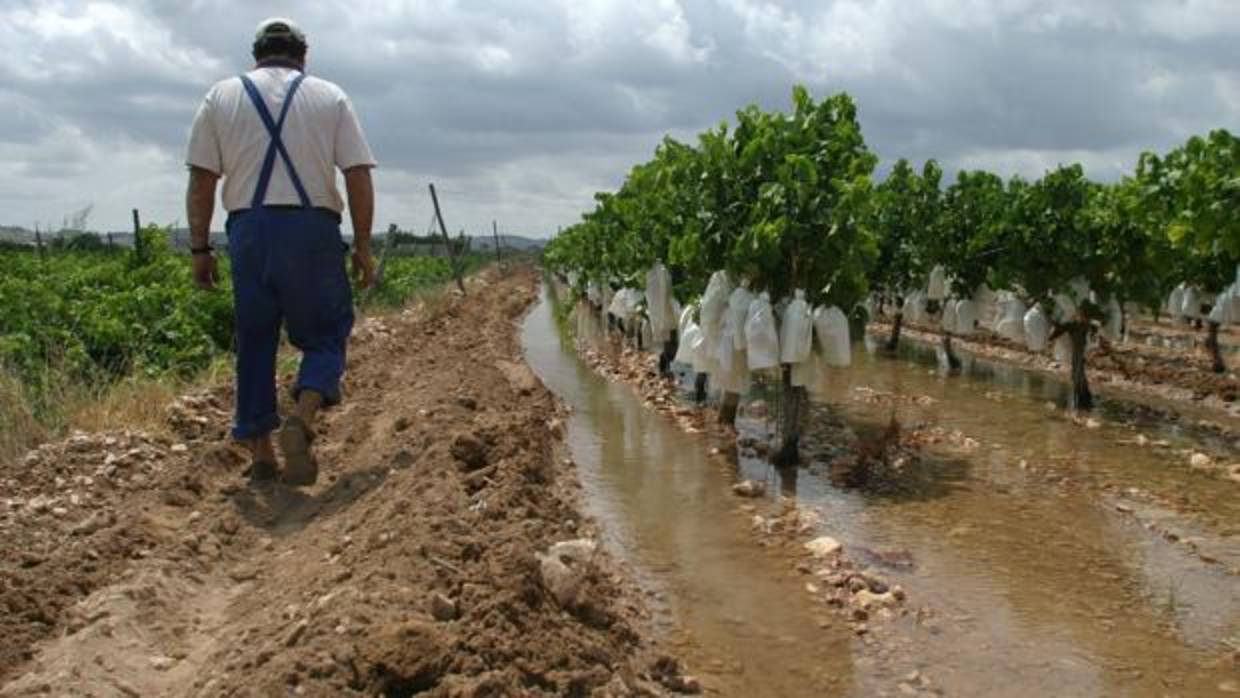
point(206, 249)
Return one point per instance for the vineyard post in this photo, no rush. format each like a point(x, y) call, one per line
point(443, 229)
point(953, 361)
point(728, 407)
point(792, 404)
point(499, 259)
point(137, 236)
point(1212, 345)
point(893, 342)
point(388, 241)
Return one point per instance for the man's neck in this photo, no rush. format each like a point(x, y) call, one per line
point(279, 62)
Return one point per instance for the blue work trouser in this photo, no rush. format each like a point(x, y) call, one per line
point(288, 266)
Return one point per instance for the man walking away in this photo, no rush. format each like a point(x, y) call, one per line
point(276, 137)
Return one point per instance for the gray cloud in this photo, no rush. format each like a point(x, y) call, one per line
point(519, 111)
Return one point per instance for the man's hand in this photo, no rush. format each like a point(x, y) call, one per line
point(361, 192)
point(205, 274)
point(199, 206)
point(363, 268)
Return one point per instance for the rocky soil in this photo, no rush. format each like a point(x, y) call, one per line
point(443, 552)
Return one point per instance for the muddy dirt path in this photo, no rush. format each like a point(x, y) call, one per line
point(133, 565)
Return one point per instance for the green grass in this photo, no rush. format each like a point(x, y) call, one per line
point(80, 327)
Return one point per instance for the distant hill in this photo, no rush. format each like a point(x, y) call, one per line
point(16, 235)
point(519, 243)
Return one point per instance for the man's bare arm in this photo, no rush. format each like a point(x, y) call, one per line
point(200, 205)
point(362, 211)
point(361, 192)
point(199, 208)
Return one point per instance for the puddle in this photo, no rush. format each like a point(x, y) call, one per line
point(1042, 585)
point(1035, 585)
point(666, 508)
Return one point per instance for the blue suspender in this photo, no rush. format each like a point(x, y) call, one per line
point(277, 145)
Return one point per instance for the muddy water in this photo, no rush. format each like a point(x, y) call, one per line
point(1040, 542)
point(1041, 551)
point(666, 506)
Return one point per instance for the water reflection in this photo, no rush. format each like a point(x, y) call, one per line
point(1038, 586)
point(666, 504)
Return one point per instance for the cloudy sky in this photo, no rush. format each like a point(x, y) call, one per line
point(519, 110)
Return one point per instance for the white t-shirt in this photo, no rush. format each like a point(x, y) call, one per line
point(321, 133)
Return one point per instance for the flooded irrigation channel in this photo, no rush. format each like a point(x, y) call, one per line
point(1041, 555)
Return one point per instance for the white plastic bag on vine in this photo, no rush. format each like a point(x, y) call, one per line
point(715, 300)
point(702, 360)
point(796, 337)
point(947, 322)
point(736, 315)
point(984, 296)
point(686, 316)
point(914, 307)
point(831, 327)
point(659, 302)
point(936, 289)
point(1218, 313)
point(594, 294)
point(1063, 349)
point(728, 347)
point(625, 303)
point(1065, 307)
point(722, 350)
point(617, 305)
point(870, 307)
point(1231, 313)
point(1067, 303)
point(1113, 324)
point(733, 377)
point(690, 333)
point(1012, 320)
point(761, 337)
point(1175, 303)
point(966, 317)
point(1037, 329)
point(1191, 304)
point(919, 308)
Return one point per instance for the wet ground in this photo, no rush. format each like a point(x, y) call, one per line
point(1051, 555)
point(666, 508)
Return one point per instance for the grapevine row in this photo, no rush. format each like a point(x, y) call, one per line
point(783, 206)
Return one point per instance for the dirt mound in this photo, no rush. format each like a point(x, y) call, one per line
point(416, 565)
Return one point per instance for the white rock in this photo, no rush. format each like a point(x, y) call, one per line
point(1200, 461)
point(869, 600)
point(559, 579)
point(823, 547)
point(574, 551)
point(563, 568)
point(749, 489)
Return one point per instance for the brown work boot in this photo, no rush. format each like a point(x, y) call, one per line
point(300, 467)
point(262, 472)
